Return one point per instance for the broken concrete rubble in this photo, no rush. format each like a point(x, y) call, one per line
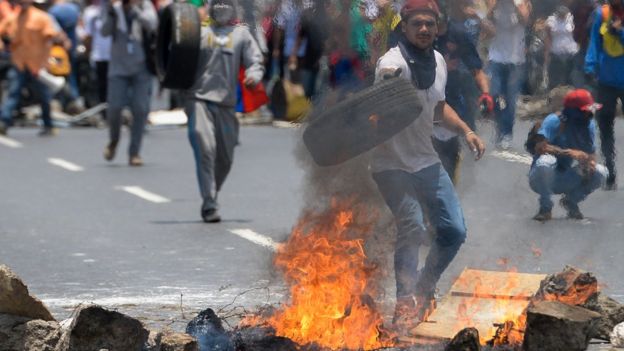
point(15, 299)
point(611, 311)
point(172, 341)
point(95, 328)
point(617, 335)
point(556, 326)
point(21, 333)
point(465, 340)
point(571, 286)
point(153, 341)
point(552, 325)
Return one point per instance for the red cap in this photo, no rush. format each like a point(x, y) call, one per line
point(581, 99)
point(412, 6)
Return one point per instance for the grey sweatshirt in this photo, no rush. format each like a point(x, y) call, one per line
point(127, 55)
point(223, 50)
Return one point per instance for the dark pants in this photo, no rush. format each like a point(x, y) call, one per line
point(608, 97)
point(133, 91)
point(411, 196)
point(449, 152)
point(101, 71)
point(17, 81)
point(560, 70)
point(213, 133)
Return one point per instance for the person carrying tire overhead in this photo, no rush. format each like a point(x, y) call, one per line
point(129, 80)
point(212, 124)
point(408, 172)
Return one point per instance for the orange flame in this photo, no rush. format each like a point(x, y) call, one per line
point(331, 290)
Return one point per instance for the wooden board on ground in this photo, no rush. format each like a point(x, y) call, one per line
point(480, 299)
point(493, 284)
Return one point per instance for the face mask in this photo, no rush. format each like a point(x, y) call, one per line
point(222, 14)
point(575, 116)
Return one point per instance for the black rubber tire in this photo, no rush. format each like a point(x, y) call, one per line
point(361, 122)
point(177, 50)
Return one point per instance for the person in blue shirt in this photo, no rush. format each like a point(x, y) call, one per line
point(605, 62)
point(564, 159)
point(67, 15)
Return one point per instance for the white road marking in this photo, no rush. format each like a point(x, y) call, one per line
point(286, 124)
point(513, 157)
point(256, 238)
point(10, 142)
point(72, 167)
point(144, 194)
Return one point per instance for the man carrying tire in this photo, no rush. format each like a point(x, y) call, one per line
point(129, 81)
point(408, 172)
point(212, 124)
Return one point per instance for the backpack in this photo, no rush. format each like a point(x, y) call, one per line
point(611, 43)
point(149, 48)
point(533, 138)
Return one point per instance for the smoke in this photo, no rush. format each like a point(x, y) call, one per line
point(351, 180)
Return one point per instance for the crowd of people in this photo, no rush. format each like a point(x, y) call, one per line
point(465, 58)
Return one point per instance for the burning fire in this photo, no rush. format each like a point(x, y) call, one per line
point(331, 287)
point(502, 307)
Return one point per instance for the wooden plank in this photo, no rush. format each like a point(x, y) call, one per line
point(455, 313)
point(493, 284)
point(480, 299)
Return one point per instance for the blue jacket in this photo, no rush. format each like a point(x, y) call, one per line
point(609, 70)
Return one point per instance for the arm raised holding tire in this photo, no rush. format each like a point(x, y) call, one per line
point(252, 60)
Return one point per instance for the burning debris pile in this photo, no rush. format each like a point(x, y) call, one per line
point(564, 314)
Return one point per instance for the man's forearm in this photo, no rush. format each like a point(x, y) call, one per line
point(482, 81)
point(452, 121)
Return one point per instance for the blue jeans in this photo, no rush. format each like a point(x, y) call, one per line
point(406, 194)
point(506, 82)
point(546, 180)
point(17, 80)
point(308, 80)
point(134, 91)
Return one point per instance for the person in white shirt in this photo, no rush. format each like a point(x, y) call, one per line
point(408, 172)
point(100, 46)
point(507, 57)
point(560, 47)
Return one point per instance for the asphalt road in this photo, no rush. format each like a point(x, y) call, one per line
point(81, 236)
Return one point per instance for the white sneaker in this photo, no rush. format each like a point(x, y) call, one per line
point(505, 143)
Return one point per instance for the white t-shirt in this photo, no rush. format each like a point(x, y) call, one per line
point(561, 32)
point(100, 46)
point(411, 150)
point(508, 45)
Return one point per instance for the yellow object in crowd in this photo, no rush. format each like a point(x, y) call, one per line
point(58, 62)
point(611, 43)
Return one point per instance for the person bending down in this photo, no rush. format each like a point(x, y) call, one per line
point(564, 156)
